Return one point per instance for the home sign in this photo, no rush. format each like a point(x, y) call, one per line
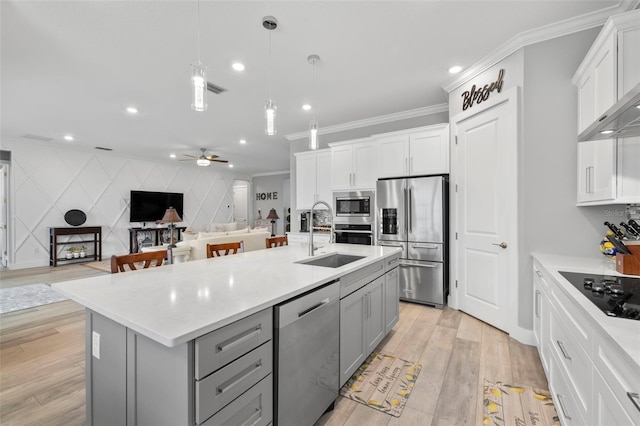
point(479, 95)
point(261, 196)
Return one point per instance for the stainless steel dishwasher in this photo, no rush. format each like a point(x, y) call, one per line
point(307, 332)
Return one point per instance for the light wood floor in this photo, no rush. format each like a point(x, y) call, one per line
point(42, 362)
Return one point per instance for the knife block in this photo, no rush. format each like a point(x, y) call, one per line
point(629, 264)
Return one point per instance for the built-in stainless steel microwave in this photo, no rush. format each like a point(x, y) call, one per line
point(354, 204)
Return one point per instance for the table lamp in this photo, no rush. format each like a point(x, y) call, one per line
point(171, 216)
point(273, 216)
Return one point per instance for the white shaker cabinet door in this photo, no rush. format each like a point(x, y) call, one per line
point(323, 177)
point(394, 156)
point(429, 152)
point(342, 167)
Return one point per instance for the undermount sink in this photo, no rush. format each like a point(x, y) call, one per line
point(333, 260)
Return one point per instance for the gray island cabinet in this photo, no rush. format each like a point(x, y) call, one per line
point(194, 343)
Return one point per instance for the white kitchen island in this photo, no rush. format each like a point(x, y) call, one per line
point(158, 339)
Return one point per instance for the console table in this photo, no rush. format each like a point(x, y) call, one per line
point(84, 231)
point(147, 237)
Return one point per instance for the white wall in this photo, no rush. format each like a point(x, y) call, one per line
point(269, 184)
point(47, 180)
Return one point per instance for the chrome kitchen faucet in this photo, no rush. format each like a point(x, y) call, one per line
point(311, 247)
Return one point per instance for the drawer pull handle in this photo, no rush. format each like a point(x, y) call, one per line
point(563, 350)
point(239, 339)
point(537, 304)
point(635, 398)
point(392, 261)
point(224, 387)
point(423, 246)
point(313, 308)
point(564, 410)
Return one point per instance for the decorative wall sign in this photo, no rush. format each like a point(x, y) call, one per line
point(262, 196)
point(479, 95)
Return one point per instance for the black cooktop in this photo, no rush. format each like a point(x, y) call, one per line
point(615, 296)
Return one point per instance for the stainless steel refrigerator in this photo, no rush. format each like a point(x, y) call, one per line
point(412, 213)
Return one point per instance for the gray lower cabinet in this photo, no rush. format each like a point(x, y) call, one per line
point(391, 299)
point(366, 316)
point(221, 378)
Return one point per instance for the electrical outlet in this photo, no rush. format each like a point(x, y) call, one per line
point(95, 344)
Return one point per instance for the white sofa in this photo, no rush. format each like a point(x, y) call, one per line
point(253, 239)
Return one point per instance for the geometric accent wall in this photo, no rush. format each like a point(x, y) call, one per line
point(46, 181)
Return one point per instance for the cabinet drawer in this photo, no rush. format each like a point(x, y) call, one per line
point(574, 318)
point(254, 407)
point(608, 408)
point(573, 360)
point(568, 409)
point(432, 252)
point(621, 375)
point(226, 384)
point(355, 280)
point(222, 346)
point(391, 262)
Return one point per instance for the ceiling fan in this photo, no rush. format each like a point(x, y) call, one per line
point(205, 160)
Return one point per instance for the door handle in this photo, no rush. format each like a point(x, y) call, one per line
point(410, 218)
point(502, 245)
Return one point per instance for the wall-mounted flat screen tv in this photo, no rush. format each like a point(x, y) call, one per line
point(148, 206)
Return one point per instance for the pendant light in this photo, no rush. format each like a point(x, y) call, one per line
point(199, 78)
point(313, 125)
point(270, 23)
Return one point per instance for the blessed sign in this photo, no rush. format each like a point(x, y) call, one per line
point(479, 95)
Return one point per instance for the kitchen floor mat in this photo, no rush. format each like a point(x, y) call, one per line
point(506, 404)
point(383, 382)
point(27, 296)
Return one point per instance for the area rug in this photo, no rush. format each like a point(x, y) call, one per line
point(506, 404)
point(383, 382)
point(27, 296)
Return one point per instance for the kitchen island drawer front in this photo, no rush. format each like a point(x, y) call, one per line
point(573, 360)
point(254, 407)
point(355, 280)
point(226, 384)
point(621, 376)
point(222, 346)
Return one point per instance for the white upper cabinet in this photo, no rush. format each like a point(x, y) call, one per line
point(313, 178)
point(610, 68)
point(353, 164)
point(423, 151)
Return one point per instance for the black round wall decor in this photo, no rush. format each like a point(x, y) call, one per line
point(75, 217)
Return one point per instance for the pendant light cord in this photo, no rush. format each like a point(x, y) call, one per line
point(269, 65)
point(198, 27)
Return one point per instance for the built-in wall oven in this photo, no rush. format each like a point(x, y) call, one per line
point(354, 217)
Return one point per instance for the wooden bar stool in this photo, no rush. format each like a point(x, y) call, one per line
point(223, 249)
point(134, 261)
point(277, 241)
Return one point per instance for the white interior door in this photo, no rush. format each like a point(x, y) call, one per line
point(240, 204)
point(486, 209)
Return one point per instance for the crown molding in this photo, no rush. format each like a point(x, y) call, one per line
point(396, 116)
point(547, 32)
point(284, 172)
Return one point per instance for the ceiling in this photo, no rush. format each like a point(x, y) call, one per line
point(72, 67)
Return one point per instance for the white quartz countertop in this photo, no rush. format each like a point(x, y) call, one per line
point(177, 303)
point(624, 333)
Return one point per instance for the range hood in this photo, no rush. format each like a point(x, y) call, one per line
point(622, 120)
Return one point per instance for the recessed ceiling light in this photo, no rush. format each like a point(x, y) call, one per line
point(606, 132)
point(68, 137)
point(230, 165)
point(306, 107)
point(455, 70)
point(132, 110)
point(172, 155)
point(238, 66)
point(242, 141)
